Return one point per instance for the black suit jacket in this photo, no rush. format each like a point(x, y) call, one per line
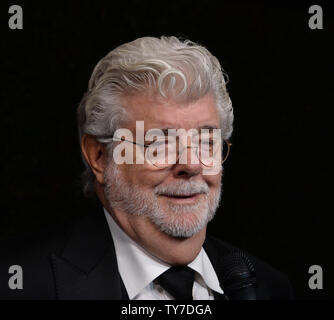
point(79, 262)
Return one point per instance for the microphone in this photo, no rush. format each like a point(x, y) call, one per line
point(238, 276)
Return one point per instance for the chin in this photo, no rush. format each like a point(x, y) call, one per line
point(182, 223)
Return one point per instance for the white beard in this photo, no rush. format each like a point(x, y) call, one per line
point(178, 220)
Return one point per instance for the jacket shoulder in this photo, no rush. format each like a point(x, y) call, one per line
point(30, 253)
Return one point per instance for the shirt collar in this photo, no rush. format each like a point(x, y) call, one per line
point(138, 268)
point(203, 266)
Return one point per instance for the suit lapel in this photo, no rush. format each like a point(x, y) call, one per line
point(87, 267)
point(215, 253)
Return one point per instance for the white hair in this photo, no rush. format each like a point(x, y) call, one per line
point(178, 69)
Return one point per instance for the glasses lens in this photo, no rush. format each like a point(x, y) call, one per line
point(162, 152)
point(210, 149)
point(226, 150)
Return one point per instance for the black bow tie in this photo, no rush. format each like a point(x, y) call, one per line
point(178, 281)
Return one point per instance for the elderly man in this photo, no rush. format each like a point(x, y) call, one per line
point(154, 126)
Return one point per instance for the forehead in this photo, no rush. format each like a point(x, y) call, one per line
point(168, 114)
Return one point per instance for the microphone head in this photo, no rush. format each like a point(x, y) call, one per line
point(238, 276)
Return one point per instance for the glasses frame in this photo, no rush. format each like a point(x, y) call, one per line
point(229, 144)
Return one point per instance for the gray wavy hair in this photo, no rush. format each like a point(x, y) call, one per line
point(179, 69)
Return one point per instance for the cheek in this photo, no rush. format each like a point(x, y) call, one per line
point(139, 175)
point(213, 181)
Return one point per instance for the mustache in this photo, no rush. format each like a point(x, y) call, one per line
point(182, 188)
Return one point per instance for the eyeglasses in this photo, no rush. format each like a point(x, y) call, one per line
point(165, 151)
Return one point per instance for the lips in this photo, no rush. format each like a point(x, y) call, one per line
point(183, 195)
point(180, 195)
point(182, 198)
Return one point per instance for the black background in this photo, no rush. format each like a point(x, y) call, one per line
point(277, 188)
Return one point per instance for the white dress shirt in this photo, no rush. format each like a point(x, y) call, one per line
point(138, 269)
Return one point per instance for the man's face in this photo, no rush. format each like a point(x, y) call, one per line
point(178, 199)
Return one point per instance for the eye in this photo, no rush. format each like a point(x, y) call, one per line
point(160, 142)
point(156, 141)
point(163, 143)
point(208, 140)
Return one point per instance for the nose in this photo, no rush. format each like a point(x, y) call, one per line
point(189, 168)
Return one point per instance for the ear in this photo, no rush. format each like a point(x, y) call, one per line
point(95, 154)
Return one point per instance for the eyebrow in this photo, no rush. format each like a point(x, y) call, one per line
point(165, 131)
